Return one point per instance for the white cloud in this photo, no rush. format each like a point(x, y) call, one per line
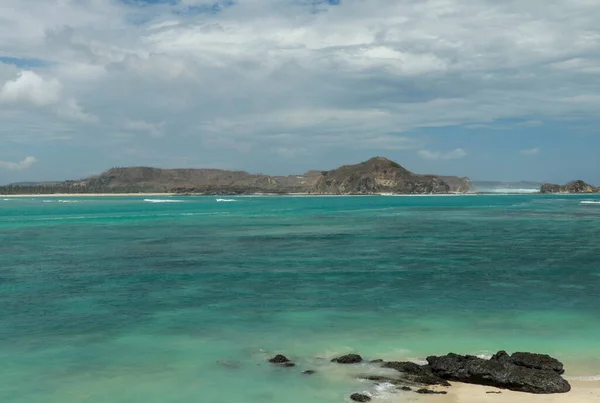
point(438, 155)
point(28, 162)
point(30, 87)
point(530, 151)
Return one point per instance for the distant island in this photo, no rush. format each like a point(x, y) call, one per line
point(571, 187)
point(376, 176)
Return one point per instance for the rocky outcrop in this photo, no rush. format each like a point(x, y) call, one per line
point(359, 397)
point(521, 371)
point(415, 374)
point(279, 359)
point(348, 359)
point(571, 187)
point(424, 391)
point(524, 372)
point(531, 360)
point(282, 361)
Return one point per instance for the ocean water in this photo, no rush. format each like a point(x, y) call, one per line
point(182, 299)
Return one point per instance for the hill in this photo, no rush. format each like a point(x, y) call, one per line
point(571, 187)
point(377, 175)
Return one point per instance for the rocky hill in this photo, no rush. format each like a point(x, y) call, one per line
point(377, 175)
point(571, 187)
point(380, 175)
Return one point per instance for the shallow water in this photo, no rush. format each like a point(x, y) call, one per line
point(133, 300)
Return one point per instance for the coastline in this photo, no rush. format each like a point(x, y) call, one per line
point(90, 195)
point(67, 195)
point(581, 392)
point(224, 194)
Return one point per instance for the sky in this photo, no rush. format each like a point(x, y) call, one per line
point(493, 90)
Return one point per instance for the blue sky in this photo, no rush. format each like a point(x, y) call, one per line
point(486, 89)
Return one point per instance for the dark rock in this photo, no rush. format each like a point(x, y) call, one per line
point(309, 372)
point(493, 392)
point(501, 356)
point(497, 372)
point(348, 359)
point(431, 392)
point(406, 388)
point(279, 359)
point(415, 373)
point(377, 361)
point(288, 364)
point(359, 397)
point(537, 361)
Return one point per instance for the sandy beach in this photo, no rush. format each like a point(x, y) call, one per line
point(581, 392)
point(91, 195)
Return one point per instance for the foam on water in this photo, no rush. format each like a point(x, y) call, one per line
point(508, 191)
point(226, 200)
point(589, 202)
point(59, 201)
point(163, 201)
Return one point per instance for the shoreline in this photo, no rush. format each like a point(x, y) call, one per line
point(156, 194)
point(89, 195)
point(581, 392)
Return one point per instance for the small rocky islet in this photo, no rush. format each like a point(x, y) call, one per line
point(521, 372)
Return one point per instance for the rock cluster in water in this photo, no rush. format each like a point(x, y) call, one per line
point(282, 360)
point(523, 372)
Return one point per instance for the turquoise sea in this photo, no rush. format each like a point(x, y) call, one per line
point(182, 299)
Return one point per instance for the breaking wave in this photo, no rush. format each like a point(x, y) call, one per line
point(226, 200)
point(508, 191)
point(162, 201)
point(589, 202)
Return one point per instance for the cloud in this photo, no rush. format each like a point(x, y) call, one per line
point(530, 151)
point(438, 155)
point(27, 163)
point(269, 75)
point(31, 88)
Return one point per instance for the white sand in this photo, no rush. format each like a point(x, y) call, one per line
point(581, 392)
point(91, 195)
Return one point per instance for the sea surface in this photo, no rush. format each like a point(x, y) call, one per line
point(182, 299)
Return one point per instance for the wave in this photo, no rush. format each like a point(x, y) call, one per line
point(226, 200)
point(589, 202)
point(198, 214)
point(60, 201)
point(163, 201)
point(508, 191)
